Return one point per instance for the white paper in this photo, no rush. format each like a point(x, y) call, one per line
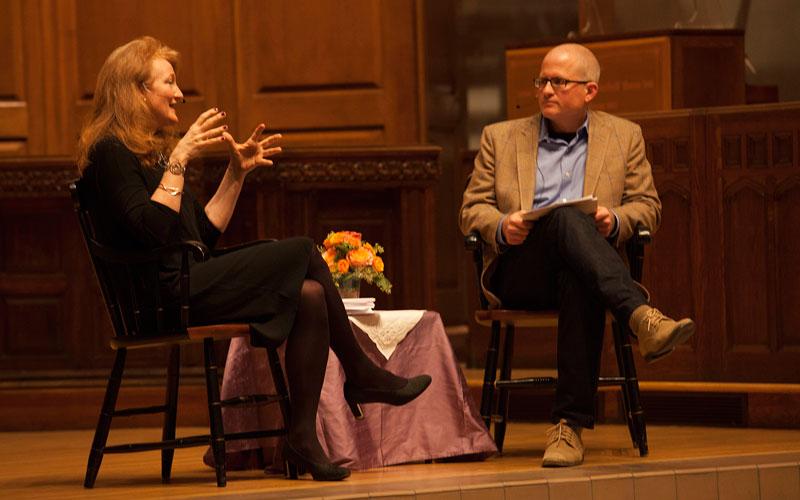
point(587, 205)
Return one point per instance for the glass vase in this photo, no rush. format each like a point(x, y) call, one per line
point(350, 288)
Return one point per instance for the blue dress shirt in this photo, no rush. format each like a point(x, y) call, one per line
point(560, 169)
point(560, 165)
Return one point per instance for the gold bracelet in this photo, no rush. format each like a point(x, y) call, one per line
point(172, 191)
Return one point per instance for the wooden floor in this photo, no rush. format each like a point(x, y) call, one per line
point(51, 465)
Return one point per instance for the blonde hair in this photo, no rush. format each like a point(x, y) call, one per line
point(119, 109)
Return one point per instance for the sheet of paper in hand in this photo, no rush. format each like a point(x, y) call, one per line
point(587, 205)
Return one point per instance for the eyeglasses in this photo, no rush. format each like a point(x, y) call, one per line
point(556, 82)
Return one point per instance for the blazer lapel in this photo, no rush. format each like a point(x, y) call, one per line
point(527, 141)
point(595, 152)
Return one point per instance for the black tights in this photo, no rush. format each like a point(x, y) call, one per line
point(321, 321)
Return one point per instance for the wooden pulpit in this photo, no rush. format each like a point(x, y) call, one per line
point(655, 71)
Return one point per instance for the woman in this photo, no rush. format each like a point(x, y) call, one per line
point(134, 165)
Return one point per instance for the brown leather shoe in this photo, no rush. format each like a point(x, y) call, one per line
point(564, 446)
point(658, 335)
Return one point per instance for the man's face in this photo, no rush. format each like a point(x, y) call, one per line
point(564, 107)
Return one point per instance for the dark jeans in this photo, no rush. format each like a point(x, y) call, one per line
point(566, 264)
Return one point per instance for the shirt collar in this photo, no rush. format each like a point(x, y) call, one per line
point(544, 130)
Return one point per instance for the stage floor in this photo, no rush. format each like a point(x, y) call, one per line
point(684, 463)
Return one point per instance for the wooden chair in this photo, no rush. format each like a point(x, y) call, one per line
point(144, 320)
point(511, 319)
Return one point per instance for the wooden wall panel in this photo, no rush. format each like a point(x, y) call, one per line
point(193, 28)
point(37, 302)
point(787, 264)
point(673, 272)
point(746, 268)
point(328, 72)
point(754, 155)
point(14, 109)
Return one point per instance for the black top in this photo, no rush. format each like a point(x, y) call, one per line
point(118, 197)
point(258, 284)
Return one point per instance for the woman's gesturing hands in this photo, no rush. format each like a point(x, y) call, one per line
point(204, 132)
point(252, 153)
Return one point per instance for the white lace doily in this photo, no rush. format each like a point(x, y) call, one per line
point(388, 328)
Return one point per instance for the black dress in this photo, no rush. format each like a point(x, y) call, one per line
point(259, 284)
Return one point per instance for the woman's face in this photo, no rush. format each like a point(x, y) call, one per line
point(162, 93)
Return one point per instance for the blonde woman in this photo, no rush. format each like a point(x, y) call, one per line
point(134, 165)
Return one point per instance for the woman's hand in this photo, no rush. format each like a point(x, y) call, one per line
point(204, 132)
point(252, 153)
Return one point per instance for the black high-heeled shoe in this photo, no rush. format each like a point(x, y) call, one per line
point(397, 397)
point(298, 464)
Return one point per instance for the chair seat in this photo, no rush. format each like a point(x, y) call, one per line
point(219, 332)
point(522, 318)
point(193, 334)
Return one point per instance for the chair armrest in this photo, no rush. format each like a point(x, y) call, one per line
point(474, 243)
point(197, 249)
point(642, 235)
point(634, 249)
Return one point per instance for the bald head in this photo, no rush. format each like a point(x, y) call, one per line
point(581, 59)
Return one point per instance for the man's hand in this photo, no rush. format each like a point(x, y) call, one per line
point(604, 220)
point(515, 230)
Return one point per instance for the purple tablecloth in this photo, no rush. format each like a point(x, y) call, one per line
point(443, 422)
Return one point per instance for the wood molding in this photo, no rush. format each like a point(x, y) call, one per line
point(25, 177)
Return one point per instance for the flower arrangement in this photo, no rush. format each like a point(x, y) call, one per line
point(352, 260)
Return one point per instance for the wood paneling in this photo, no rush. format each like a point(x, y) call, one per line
point(735, 224)
point(325, 72)
point(759, 202)
point(14, 123)
point(38, 300)
point(329, 73)
point(196, 29)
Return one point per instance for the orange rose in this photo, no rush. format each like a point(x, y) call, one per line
point(329, 256)
point(360, 257)
point(333, 239)
point(353, 238)
point(377, 264)
point(343, 266)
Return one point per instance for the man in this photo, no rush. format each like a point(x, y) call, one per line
point(566, 259)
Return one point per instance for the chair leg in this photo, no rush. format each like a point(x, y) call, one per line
point(284, 403)
point(214, 410)
point(505, 374)
point(624, 387)
point(636, 419)
point(104, 422)
point(489, 375)
point(171, 414)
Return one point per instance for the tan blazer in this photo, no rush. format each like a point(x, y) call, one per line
point(504, 178)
